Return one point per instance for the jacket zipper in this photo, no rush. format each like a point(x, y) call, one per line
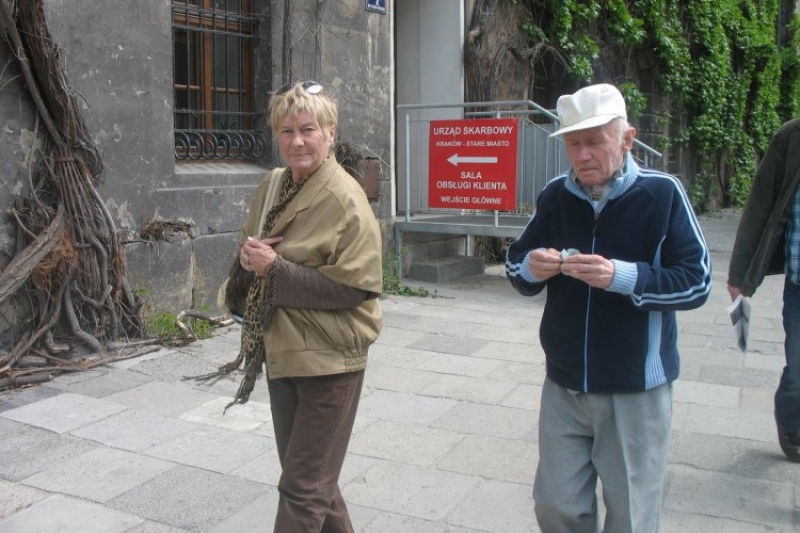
point(586, 323)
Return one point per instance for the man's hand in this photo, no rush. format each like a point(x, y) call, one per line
point(544, 263)
point(594, 270)
point(734, 292)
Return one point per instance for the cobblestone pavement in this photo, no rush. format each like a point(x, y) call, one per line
point(445, 440)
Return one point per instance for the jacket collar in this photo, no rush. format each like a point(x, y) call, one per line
point(314, 184)
point(624, 179)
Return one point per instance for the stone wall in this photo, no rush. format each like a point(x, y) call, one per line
point(118, 57)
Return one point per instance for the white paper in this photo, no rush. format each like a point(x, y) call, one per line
point(739, 313)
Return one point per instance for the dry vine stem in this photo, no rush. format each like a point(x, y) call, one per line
point(70, 258)
point(180, 321)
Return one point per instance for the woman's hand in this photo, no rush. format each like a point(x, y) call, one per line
point(258, 255)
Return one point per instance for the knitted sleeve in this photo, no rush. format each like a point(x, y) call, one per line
point(302, 287)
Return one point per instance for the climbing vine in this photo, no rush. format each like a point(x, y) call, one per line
point(729, 67)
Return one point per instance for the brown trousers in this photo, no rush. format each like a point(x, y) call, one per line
point(313, 418)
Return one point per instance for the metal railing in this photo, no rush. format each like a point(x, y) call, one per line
point(540, 158)
point(205, 145)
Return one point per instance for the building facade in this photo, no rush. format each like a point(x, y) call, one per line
point(174, 94)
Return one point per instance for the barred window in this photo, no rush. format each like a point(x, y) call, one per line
point(214, 45)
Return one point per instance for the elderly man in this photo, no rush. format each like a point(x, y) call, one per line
point(619, 250)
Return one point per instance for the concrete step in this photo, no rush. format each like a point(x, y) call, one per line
point(448, 268)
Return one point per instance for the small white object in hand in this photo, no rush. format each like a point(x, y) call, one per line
point(568, 252)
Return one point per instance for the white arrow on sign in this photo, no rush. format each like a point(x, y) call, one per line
point(455, 160)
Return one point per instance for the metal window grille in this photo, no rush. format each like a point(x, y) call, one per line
point(213, 66)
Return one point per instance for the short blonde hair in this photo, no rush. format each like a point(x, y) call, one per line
point(296, 99)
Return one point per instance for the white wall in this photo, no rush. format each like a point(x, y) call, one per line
point(429, 70)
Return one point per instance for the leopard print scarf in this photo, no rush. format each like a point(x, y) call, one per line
point(258, 307)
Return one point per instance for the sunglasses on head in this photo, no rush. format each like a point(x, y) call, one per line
point(309, 87)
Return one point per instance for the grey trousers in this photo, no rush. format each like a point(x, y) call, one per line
point(621, 438)
point(313, 418)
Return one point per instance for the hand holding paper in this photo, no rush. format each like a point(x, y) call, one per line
point(739, 313)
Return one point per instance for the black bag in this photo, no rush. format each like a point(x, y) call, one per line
point(236, 288)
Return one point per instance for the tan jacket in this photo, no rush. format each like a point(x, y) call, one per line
point(330, 226)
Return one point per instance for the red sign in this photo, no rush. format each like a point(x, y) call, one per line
point(473, 164)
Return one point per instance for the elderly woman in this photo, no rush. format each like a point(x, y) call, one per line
point(312, 250)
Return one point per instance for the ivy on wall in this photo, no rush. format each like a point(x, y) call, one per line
point(729, 79)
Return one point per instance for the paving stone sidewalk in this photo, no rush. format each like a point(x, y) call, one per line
point(445, 440)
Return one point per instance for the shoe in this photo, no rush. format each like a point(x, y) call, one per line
point(790, 444)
